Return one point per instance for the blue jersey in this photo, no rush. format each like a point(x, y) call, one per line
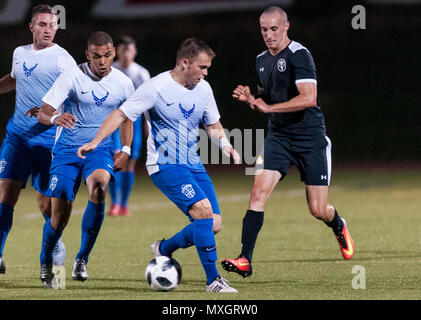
point(35, 72)
point(90, 99)
point(173, 114)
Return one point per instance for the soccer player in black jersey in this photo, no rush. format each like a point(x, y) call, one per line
point(287, 92)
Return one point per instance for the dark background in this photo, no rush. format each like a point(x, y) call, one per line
point(368, 80)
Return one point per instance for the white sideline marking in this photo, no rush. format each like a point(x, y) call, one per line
point(242, 197)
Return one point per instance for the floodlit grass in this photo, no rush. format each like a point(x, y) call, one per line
point(296, 256)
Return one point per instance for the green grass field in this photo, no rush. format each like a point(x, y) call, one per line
point(296, 257)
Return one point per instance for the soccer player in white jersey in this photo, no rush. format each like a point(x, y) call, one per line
point(26, 150)
point(175, 103)
point(89, 93)
point(122, 185)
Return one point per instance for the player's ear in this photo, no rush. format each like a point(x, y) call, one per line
point(113, 53)
point(184, 62)
point(287, 26)
point(31, 26)
point(87, 55)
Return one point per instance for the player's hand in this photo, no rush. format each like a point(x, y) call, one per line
point(260, 105)
point(120, 160)
point(65, 120)
point(230, 152)
point(33, 112)
point(242, 93)
point(86, 148)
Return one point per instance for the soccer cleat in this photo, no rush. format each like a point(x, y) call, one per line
point(47, 276)
point(114, 210)
point(239, 265)
point(220, 285)
point(155, 248)
point(59, 253)
point(346, 244)
point(80, 272)
point(2, 266)
point(124, 212)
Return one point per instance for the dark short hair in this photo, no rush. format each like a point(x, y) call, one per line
point(192, 47)
point(99, 38)
point(125, 40)
point(42, 8)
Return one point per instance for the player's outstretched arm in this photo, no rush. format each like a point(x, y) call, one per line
point(113, 121)
point(7, 84)
point(216, 133)
point(47, 115)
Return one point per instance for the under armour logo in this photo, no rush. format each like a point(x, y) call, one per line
point(188, 191)
point(53, 182)
point(99, 101)
point(323, 177)
point(3, 164)
point(262, 69)
point(28, 71)
point(186, 114)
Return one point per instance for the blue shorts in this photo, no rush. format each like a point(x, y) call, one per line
point(185, 187)
point(18, 160)
point(136, 142)
point(67, 171)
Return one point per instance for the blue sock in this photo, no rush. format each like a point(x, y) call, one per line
point(204, 240)
point(6, 220)
point(45, 216)
point(182, 239)
point(91, 224)
point(114, 187)
point(49, 241)
point(126, 185)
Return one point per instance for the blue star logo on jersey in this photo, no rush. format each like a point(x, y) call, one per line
point(99, 101)
point(186, 114)
point(28, 71)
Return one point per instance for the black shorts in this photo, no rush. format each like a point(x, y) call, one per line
point(311, 157)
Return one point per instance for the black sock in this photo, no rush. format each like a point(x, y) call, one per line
point(252, 223)
point(336, 224)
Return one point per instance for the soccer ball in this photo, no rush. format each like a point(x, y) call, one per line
point(163, 273)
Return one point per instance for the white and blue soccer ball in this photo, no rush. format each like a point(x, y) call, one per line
point(163, 273)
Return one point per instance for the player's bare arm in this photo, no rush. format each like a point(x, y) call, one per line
point(126, 136)
point(7, 84)
point(306, 98)
point(47, 115)
point(216, 133)
point(113, 121)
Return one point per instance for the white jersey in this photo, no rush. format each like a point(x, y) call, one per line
point(90, 99)
point(135, 72)
point(35, 72)
point(173, 114)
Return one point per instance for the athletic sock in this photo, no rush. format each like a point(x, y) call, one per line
point(45, 216)
point(126, 185)
point(252, 223)
point(114, 187)
point(204, 240)
point(91, 224)
point(49, 241)
point(182, 239)
point(336, 224)
point(6, 220)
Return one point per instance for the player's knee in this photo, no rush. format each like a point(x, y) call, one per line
point(258, 196)
point(44, 205)
point(318, 211)
point(98, 191)
point(201, 210)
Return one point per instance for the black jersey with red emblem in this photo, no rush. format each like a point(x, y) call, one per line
point(277, 79)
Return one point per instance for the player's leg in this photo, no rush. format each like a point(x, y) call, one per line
point(15, 162)
point(315, 168)
point(115, 185)
point(128, 173)
point(93, 217)
point(41, 163)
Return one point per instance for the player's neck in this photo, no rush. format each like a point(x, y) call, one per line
point(39, 46)
point(281, 47)
point(178, 77)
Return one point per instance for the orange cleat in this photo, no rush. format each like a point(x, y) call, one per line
point(239, 265)
point(124, 212)
point(346, 244)
point(114, 210)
